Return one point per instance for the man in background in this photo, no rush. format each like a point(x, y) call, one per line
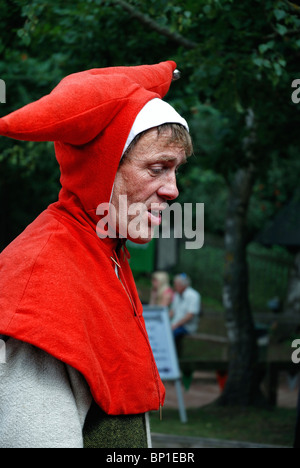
point(185, 309)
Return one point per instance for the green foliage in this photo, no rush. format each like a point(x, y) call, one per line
point(268, 272)
point(276, 186)
point(29, 181)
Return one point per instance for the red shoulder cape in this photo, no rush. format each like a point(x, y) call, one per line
point(60, 292)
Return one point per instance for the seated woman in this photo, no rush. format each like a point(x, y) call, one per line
point(161, 292)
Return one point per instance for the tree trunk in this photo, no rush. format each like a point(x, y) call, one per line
point(243, 384)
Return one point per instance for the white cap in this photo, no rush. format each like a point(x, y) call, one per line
point(153, 114)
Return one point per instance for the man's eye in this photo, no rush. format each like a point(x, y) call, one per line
point(157, 169)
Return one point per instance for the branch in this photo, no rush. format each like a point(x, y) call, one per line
point(276, 34)
point(293, 7)
point(150, 23)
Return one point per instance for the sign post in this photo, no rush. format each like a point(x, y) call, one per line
point(164, 351)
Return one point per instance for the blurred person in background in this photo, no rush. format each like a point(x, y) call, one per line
point(185, 309)
point(161, 291)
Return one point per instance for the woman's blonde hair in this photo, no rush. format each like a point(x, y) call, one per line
point(163, 283)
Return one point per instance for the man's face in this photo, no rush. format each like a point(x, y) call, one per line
point(147, 179)
point(179, 287)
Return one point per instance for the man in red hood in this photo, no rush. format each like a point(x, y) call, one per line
point(78, 370)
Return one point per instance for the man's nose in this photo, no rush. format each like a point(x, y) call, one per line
point(168, 190)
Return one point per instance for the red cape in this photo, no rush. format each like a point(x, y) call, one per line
point(59, 289)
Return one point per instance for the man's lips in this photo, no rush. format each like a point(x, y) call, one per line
point(154, 217)
point(155, 212)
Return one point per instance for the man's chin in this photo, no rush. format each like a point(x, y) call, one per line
point(140, 240)
point(143, 238)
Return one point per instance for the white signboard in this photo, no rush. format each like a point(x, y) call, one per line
point(162, 341)
point(163, 346)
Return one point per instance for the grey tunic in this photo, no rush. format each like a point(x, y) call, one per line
point(43, 402)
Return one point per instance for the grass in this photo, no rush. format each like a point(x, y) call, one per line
point(269, 427)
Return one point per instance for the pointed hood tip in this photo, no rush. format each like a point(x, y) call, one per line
point(82, 115)
point(76, 110)
point(3, 127)
point(82, 104)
